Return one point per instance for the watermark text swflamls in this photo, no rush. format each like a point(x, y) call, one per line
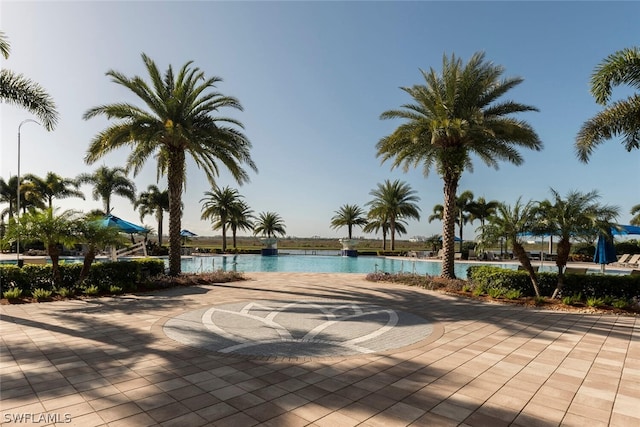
point(36, 418)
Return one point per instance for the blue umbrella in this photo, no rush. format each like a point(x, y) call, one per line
point(187, 233)
point(625, 229)
point(122, 225)
point(455, 238)
point(605, 252)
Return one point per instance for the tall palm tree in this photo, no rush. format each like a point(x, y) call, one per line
point(269, 224)
point(107, 182)
point(348, 216)
point(577, 214)
point(153, 202)
point(218, 206)
point(378, 221)
point(8, 195)
point(618, 118)
point(455, 114)
point(52, 186)
point(393, 201)
point(463, 206)
point(241, 218)
point(513, 223)
point(635, 211)
point(482, 210)
point(19, 90)
point(178, 120)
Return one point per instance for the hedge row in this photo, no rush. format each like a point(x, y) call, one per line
point(589, 285)
point(127, 275)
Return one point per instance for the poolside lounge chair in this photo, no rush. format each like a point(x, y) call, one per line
point(623, 258)
point(457, 255)
point(633, 262)
point(38, 261)
point(472, 255)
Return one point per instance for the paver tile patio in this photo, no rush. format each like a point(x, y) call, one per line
point(109, 361)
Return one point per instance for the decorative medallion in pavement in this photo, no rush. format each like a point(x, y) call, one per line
point(323, 328)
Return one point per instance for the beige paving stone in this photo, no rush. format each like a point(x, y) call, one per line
point(489, 361)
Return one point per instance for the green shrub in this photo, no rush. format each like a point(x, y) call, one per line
point(479, 290)
point(595, 302)
point(513, 294)
point(65, 292)
point(466, 288)
point(496, 292)
point(620, 303)
point(539, 300)
point(13, 293)
point(566, 300)
point(115, 289)
point(91, 290)
point(41, 294)
point(589, 285)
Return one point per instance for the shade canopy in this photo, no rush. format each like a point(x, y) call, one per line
point(625, 229)
point(122, 225)
point(455, 239)
point(187, 233)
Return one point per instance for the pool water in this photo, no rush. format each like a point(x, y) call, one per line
point(320, 264)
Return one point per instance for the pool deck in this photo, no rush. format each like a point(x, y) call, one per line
point(108, 362)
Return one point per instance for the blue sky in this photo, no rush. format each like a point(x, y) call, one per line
point(313, 78)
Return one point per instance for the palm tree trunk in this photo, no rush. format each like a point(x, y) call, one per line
point(522, 256)
point(86, 264)
point(448, 226)
point(224, 237)
point(234, 231)
point(384, 239)
point(175, 178)
point(562, 249)
point(392, 230)
point(54, 254)
point(160, 219)
point(461, 227)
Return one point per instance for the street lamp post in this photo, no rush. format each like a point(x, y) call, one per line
point(18, 263)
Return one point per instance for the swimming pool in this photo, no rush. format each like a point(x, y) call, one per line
point(318, 264)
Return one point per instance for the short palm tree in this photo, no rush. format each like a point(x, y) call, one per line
point(454, 114)
point(348, 216)
point(575, 215)
point(50, 228)
point(218, 206)
point(153, 202)
point(393, 201)
point(19, 90)
point(178, 121)
point(107, 182)
point(618, 118)
point(514, 223)
point(269, 224)
point(635, 211)
point(52, 186)
point(94, 235)
point(241, 218)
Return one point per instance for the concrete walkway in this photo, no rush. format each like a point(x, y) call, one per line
point(188, 357)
